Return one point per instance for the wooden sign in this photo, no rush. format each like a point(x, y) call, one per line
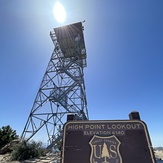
point(125, 141)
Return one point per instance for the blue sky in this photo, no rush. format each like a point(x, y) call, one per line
point(124, 43)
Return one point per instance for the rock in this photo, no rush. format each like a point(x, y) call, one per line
point(8, 147)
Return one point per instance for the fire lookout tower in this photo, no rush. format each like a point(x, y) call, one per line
point(62, 90)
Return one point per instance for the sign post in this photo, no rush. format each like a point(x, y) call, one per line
point(122, 141)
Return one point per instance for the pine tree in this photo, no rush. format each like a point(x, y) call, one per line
point(105, 152)
point(7, 134)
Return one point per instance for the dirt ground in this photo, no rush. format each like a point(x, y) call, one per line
point(49, 158)
point(53, 158)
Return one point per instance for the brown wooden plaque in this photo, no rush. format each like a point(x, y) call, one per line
point(125, 141)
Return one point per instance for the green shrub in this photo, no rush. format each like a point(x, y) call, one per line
point(7, 134)
point(26, 150)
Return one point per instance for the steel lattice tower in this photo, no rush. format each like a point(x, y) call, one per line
point(62, 90)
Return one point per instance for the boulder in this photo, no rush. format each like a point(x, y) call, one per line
point(9, 147)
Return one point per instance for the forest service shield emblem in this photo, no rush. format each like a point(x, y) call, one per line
point(105, 149)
